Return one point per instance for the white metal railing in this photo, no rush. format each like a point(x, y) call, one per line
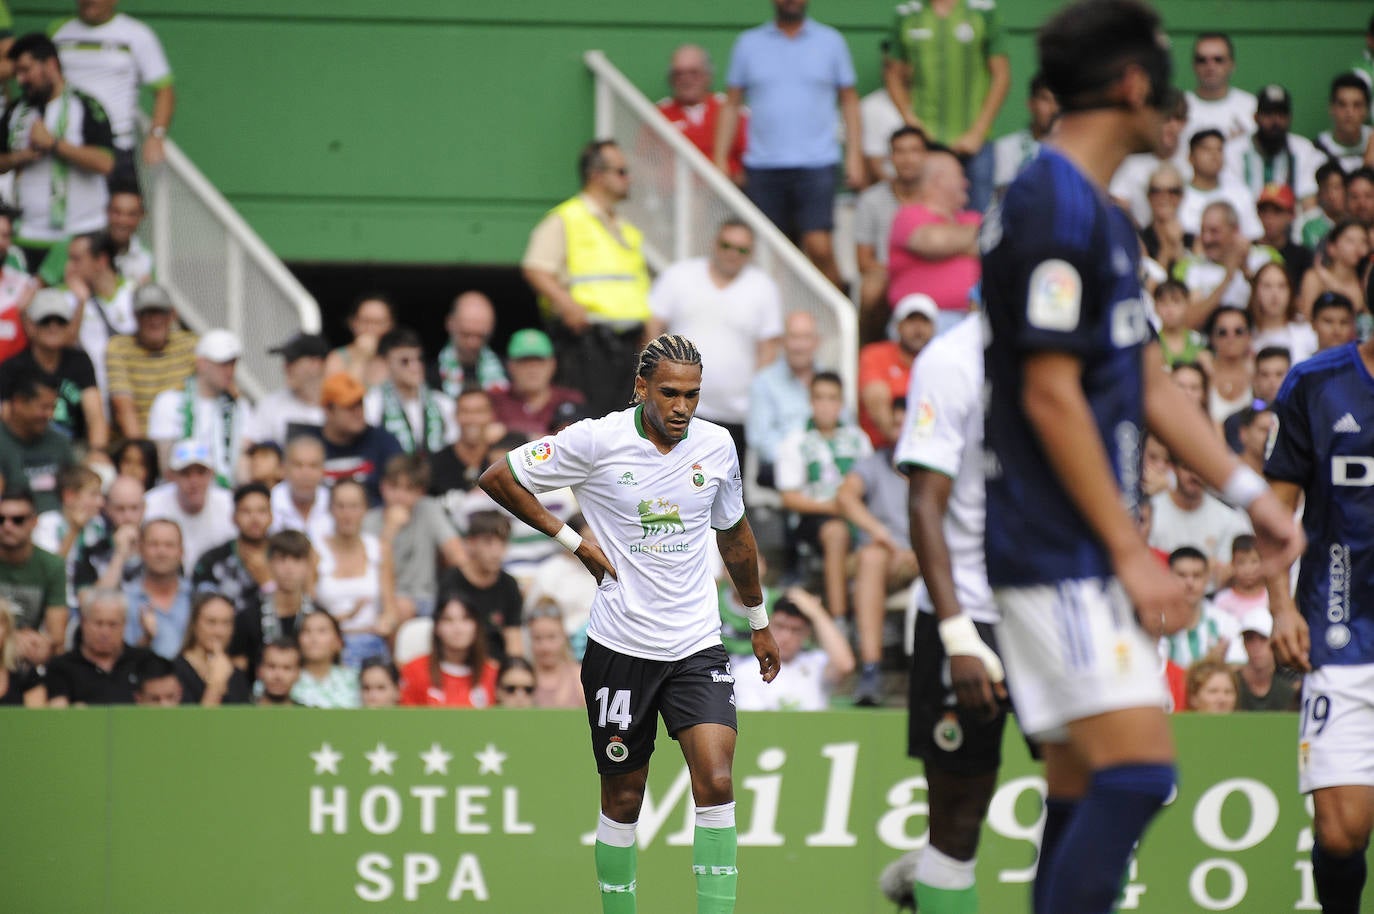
point(219, 272)
point(679, 198)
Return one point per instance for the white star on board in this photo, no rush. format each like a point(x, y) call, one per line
point(380, 760)
point(327, 759)
point(436, 760)
point(489, 760)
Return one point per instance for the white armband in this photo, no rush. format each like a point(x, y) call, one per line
point(1242, 487)
point(569, 538)
point(960, 639)
point(758, 616)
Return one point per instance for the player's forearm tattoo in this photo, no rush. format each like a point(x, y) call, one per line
point(739, 552)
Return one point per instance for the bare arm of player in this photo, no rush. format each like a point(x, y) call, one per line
point(498, 482)
point(928, 494)
point(740, 553)
point(1189, 435)
point(1052, 397)
point(1291, 638)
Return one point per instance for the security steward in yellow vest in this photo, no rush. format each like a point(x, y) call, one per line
point(587, 266)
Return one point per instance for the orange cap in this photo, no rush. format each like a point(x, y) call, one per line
point(342, 389)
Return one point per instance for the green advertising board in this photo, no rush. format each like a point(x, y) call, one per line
point(246, 811)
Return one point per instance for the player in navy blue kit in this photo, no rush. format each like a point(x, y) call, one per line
point(1075, 381)
point(1324, 450)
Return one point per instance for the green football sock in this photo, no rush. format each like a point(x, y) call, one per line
point(713, 862)
point(616, 858)
point(944, 885)
point(615, 873)
point(930, 900)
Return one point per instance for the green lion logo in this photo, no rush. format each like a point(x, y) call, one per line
point(660, 516)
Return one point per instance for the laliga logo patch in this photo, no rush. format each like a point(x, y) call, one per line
point(949, 736)
point(698, 479)
point(616, 750)
point(541, 451)
point(1304, 755)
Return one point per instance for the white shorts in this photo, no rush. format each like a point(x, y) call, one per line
point(1074, 650)
point(1336, 732)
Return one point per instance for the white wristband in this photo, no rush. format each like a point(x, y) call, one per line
point(569, 538)
point(961, 639)
point(758, 616)
point(1242, 487)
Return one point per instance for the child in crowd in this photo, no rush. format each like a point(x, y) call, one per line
point(515, 686)
point(265, 463)
point(811, 464)
point(77, 522)
point(1177, 341)
point(1247, 591)
point(380, 683)
point(324, 682)
point(1209, 635)
point(486, 588)
point(456, 672)
point(1211, 687)
point(286, 599)
point(278, 672)
point(423, 532)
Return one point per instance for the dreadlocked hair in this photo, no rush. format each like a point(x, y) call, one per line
point(669, 347)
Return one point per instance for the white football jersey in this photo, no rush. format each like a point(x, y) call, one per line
point(944, 433)
point(652, 514)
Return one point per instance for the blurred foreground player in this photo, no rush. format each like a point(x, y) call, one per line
point(651, 493)
point(957, 706)
point(1324, 450)
point(1074, 383)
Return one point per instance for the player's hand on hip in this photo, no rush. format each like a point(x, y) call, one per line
point(1281, 541)
point(595, 560)
point(1158, 597)
point(1291, 639)
point(766, 650)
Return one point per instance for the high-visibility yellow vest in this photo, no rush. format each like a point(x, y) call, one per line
point(608, 278)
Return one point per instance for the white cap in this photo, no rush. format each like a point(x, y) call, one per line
point(1257, 620)
point(915, 303)
point(219, 346)
point(189, 453)
point(48, 303)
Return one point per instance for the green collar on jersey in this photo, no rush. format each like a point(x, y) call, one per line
point(639, 425)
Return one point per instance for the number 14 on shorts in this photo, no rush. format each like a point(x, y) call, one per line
point(614, 709)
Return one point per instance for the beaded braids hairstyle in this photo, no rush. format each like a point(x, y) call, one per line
point(669, 347)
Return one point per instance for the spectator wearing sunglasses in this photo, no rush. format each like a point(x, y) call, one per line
point(34, 581)
point(515, 684)
point(1213, 103)
point(732, 311)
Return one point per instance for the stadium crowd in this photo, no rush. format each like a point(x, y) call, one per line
point(163, 540)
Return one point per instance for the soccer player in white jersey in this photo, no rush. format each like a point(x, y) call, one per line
point(1323, 449)
point(652, 482)
point(1074, 382)
point(956, 706)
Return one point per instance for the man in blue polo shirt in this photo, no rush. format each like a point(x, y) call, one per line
point(791, 69)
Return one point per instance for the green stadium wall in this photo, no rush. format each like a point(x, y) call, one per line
point(279, 811)
point(438, 131)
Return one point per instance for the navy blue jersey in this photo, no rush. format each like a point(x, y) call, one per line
point(1325, 444)
point(1060, 273)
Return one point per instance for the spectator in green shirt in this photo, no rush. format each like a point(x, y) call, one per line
point(32, 452)
point(951, 78)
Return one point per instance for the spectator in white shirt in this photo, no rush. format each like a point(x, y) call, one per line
point(1220, 275)
point(203, 510)
point(294, 409)
point(1013, 152)
point(1214, 104)
point(732, 311)
point(112, 56)
point(1130, 185)
point(1347, 106)
point(1275, 155)
point(807, 676)
point(880, 119)
point(1206, 155)
point(301, 500)
point(209, 409)
point(124, 215)
point(1188, 516)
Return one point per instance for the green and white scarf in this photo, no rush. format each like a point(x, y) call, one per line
point(394, 419)
point(489, 370)
point(228, 412)
point(58, 171)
